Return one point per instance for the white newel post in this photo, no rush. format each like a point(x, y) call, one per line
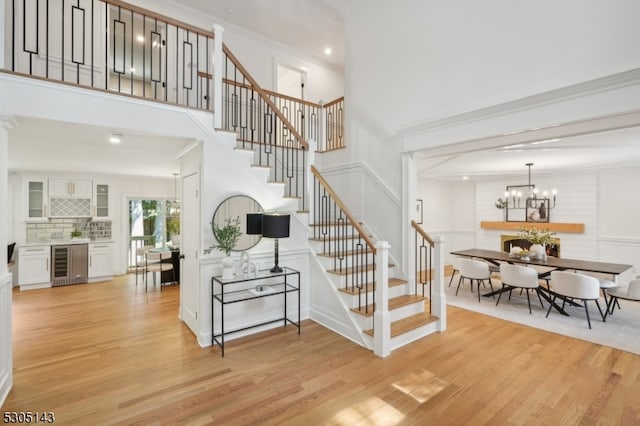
point(439, 302)
point(218, 62)
point(6, 337)
point(381, 316)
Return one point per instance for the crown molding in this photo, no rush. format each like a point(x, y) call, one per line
point(592, 87)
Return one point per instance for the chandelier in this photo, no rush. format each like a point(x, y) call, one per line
point(524, 203)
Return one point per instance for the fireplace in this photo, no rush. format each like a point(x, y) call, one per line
point(508, 241)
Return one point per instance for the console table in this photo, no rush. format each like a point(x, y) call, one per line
point(248, 287)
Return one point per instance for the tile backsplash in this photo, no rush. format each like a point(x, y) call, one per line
point(60, 229)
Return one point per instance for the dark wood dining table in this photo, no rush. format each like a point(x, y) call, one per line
point(552, 263)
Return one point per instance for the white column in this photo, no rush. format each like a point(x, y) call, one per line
point(381, 316)
point(439, 297)
point(4, 49)
point(218, 62)
point(6, 336)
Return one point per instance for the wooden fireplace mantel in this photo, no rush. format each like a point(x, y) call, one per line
point(576, 228)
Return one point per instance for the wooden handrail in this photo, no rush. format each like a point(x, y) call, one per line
point(264, 96)
point(370, 243)
point(271, 92)
point(335, 101)
point(154, 15)
point(423, 234)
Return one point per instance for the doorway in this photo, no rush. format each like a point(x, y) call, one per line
point(152, 222)
point(290, 81)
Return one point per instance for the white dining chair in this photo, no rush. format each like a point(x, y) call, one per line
point(474, 270)
point(155, 262)
point(573, 286)
point(516, 276)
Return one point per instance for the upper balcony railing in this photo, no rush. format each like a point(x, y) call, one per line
point(112, 46)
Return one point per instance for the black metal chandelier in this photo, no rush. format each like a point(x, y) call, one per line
point(527, 199)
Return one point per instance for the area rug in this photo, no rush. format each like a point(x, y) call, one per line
point(621, 330)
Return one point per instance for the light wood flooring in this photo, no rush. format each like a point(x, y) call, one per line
point(107, 353)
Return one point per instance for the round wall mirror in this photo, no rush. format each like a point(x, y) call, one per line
point(234, 207)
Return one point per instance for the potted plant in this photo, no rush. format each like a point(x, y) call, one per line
point(539, 239)
point(227, 237)
point(501, 205)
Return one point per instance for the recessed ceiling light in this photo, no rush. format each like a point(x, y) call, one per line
point(327, 51)
point(229, 10)
point(465, 177)
point(115, 138)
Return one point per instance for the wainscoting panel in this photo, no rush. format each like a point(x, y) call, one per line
point(6, 352)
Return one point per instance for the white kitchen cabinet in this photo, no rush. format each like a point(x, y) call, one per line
point(70, 188)
point(100, 260)
point(34, 266)
point(35, 193)
point(101, 200)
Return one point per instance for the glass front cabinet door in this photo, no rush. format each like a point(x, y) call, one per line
point(36, 199)
point(101, 201)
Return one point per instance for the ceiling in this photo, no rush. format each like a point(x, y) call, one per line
point(593, 150)
point(36, 144)
point(309, 26)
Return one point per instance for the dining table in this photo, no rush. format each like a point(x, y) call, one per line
point(549, 264)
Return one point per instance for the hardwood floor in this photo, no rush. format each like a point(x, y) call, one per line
point(107, 353)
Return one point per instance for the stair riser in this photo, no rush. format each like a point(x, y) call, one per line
point(352, 300)
point(407, 311)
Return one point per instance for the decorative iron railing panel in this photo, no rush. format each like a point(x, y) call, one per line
point(424, 266)
point(110, 45)
point(248, 111)
point(334, 126)
point(343, 240)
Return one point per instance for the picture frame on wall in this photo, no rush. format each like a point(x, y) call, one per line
point(538, 210)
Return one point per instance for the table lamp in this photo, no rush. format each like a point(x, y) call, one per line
point(275, 226)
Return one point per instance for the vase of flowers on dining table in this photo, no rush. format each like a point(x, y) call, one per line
point(539, 239)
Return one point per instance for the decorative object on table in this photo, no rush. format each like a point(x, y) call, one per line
point(525, 255)
point(245, 266)
point(275, 226)
point(515, 251)
point(501, 205)
point(539, 239)
point(227, 237)
point(533, 207)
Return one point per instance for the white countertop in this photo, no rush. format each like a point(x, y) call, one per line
point(66, 242)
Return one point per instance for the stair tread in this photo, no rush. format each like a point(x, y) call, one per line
point(408, 324)
point(352, 269)
point(345, 237)
point(331, 224)
point(393, 282)
point(394, 303)
point(346, 253)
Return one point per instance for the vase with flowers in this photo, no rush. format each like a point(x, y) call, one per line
point(539, 239)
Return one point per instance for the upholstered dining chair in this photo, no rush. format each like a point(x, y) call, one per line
point(516, 276)
point(456, 268)
point(141, 261)
point(573, 286)
point(474, 270)
point(155, 263)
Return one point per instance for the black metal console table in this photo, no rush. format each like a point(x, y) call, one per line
point(241, 288)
